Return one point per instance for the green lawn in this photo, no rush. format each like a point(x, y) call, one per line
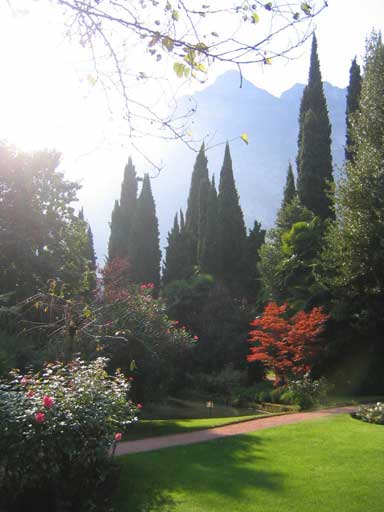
point(152, 428)
point(333, 464)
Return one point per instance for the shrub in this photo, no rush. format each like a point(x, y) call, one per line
point(371, 413)
point(306, 392)
point(58, 431)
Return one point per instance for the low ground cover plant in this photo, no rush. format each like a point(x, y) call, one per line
point(58, 429)
point(371, 413)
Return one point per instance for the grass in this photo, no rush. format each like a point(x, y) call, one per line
point(335, 463)
point(152, 428)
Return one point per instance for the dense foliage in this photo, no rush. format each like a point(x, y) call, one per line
point(287, 346)
point(58, 430)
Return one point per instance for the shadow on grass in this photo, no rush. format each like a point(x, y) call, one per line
point(220, 469)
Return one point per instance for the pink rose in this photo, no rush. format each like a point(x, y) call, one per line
point(118, 436)
point(40, 417)
point(139, 406)
point(30, 394)
point(48, 401)
point(195, 338)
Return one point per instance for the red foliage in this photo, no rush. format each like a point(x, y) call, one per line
point(116, 279)
point(286, 345)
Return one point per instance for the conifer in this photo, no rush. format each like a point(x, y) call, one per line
point(199, 176)
point(353, 98)
point(231, 229)
point(314, 160)
point(145, 249)
point(209, 243)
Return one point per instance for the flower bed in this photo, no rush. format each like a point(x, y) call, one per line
point(371, 413)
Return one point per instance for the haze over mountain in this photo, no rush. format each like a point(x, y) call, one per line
point(224, 111)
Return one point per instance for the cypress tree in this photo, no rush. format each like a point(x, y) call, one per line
point(123, 215)
point(194, 208)
point(290, 189)
point(314, 160)
point(209, 243)
point(231, 229)
point(145, 249)
point(174, 264)
point(128, 201)
point(353, 98)
point(91, 250)
point(114, 244)
point(203, 216)
point(255, 240)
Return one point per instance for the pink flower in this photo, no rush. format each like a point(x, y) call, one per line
point(30, 394)
point(195, 338)
point(131, 379)
point(39, 417)
point(139, 406)
point(118, 437)
point(48, 401)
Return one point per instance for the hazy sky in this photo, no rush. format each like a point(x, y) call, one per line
point(46, 99)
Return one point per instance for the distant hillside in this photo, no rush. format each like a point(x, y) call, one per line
point(224, 111)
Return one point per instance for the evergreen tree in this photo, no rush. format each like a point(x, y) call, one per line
point(231, 229)
point(290, 189)
point(203, 216)
point(255, 240)
point(194, 209)
point(353, 98)
point(209, 243)
point(114, 244)
point(314, 160)
point(288, 195)
point(123, 215)
point(174, 265)
point(145, 249)
point(128, 201)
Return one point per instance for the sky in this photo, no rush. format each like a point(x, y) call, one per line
point(47, 99)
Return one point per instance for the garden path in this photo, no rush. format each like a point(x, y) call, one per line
point(155, 443)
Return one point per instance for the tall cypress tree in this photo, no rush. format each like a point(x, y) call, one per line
point(353, 98)
point(255, 240)
point(123, 215)
point(114, 244)
point(314, 160)
point(194, 208)
point(208, 260)
point(174, 266)
point(231, 229)
point(290, 188)
point(128, 201)
point(203, 216)
point(145, 248)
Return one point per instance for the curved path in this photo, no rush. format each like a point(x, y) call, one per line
point(155, 443)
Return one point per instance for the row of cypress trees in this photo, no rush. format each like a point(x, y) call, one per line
point(135, 230)
point(213, 238)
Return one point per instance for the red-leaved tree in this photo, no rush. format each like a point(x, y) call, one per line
point(286, 345)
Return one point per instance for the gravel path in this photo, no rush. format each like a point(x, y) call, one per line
point(156, 443)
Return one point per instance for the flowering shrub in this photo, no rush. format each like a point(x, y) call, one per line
point(305, 392)
point(58, 431)
point(371, 413)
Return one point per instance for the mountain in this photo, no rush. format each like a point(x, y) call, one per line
point(223, 112)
